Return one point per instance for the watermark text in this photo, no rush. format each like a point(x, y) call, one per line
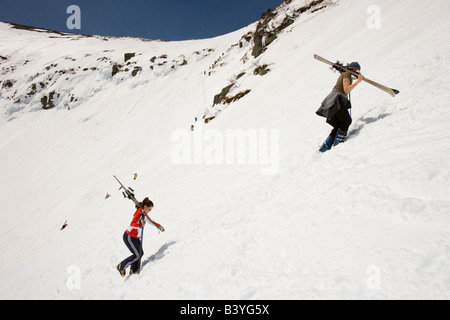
point(232, 147)
point(73, 21)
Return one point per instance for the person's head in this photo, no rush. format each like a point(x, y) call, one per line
point(354, 66)
point(147, 205)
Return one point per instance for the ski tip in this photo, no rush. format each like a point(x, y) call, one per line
point(393, 92)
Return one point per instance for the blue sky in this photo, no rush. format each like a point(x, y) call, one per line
point(153, 19)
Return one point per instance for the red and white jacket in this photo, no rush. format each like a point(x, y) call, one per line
point(135, 228)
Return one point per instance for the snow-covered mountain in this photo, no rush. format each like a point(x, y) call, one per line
point(224, 138)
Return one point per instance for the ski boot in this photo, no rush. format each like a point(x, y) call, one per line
point(327, 145)
point(341, 136)
point(122, 271)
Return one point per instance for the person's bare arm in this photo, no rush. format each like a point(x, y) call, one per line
point(349, 87)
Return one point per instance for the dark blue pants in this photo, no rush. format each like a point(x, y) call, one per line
point(135, 246)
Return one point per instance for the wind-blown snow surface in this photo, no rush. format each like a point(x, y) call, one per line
point(370, 219)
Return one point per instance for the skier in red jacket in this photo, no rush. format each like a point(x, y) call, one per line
point(132, 238)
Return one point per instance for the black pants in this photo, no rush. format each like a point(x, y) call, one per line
point(135, 246)
point(341, 120)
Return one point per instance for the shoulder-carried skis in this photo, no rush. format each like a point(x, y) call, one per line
point(341, 68)
point(128, 193)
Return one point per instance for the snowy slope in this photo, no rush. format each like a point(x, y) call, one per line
point(370, 219)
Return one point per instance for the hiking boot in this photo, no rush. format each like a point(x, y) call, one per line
point(122, 271)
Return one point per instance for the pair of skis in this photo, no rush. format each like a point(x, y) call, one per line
point(129, 193)
point(341, 68)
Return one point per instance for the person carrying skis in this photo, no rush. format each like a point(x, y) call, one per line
point(133, 238)
point(336, 105)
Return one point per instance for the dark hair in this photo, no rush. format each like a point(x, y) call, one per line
point(146, 202)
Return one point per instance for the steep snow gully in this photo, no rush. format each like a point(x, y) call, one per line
point(223, 136)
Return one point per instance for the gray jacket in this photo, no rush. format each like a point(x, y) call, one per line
point(333, 103)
